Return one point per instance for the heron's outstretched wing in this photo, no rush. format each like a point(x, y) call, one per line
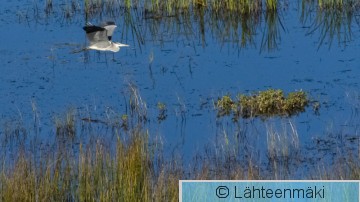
point(110, 27)
point(96, 34)
point(105, 23)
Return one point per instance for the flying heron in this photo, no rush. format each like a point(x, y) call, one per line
point(100, 37)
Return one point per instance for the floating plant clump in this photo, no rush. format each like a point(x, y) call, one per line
point(263, 104)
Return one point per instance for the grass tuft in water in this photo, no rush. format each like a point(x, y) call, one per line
point(336, 4)
point(264, 103)
point(66, 126)
point(125, 175)
point(138, 106)
point(271, 5)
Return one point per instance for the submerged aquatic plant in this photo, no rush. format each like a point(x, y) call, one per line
point(264, 103)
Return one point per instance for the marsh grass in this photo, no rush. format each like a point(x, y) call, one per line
point(236, 21)
point(126, 174)
point(129, 165)
point(283, 148)
point(337, 4)
point(346, 167)
point(94, 175)
point(266, 103)
point(66, 126)
point(272, 32)
point(138, 107)
point(159, 9)
point(168, 8)
point(333, 20)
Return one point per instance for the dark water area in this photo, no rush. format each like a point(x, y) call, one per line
point(187, 62)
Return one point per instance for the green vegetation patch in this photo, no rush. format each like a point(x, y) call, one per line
point(264, 104)
point(337, 4)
